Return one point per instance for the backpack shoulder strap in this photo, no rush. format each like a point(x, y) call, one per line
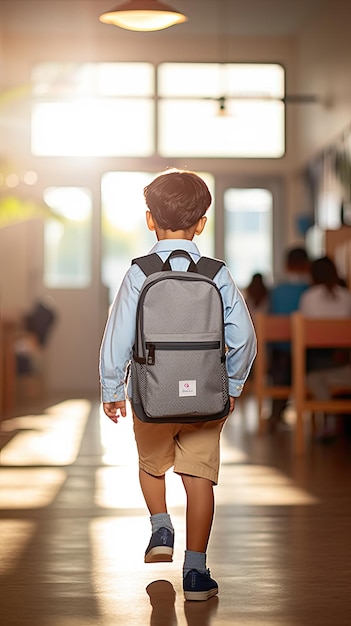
point(149, 264)
point(209, 267)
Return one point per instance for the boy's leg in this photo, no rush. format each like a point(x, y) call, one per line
point(155, 445)
point(197, 462)
point(160, 548)
point(154, 492)
point(199, 512)
point(197, 582)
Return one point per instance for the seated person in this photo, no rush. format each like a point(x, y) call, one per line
point(326, 298)
point(36, 326)
point(284, 300)
point(256, 295)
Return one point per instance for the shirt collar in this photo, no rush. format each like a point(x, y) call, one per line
point(168, 245)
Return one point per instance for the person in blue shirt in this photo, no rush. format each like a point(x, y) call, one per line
point(284, 299)
point(177, 202)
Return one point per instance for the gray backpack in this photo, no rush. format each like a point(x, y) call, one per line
point(178, 367)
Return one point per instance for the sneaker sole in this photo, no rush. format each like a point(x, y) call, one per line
point(159, 554)
point(200, 595)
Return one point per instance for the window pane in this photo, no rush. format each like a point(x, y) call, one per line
point(220, 79)
point(252, 128)
point(98, 79)
point(93, 109)
point(248, 233)
point(255, 79)
point(93, 128)
point(189, 79)
point(221, 110)
point(124, 231)
point(67, 240)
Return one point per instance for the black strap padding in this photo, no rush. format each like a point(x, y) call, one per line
point(149, 264)
point(209, 267)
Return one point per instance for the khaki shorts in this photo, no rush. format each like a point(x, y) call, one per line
point(191, 449)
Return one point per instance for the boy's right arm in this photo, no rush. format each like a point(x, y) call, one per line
point(117, 345)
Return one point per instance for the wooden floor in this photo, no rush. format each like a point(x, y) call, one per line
point(74, 528)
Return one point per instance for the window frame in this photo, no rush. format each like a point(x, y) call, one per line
point(155, 115)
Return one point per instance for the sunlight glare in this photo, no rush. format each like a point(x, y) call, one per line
point(29, 488)
point(118, 488)
point(53, 441)
point(126, 211)
point(258, 485)
point(72, 203)
point(118, 573)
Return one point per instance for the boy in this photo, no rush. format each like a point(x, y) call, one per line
point(177, 202)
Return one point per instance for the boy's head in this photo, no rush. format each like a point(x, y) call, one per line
point(177, 200)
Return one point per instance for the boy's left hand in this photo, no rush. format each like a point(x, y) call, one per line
point(111, 409)
point(231, 404)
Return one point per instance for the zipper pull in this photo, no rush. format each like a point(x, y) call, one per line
point(151, 354)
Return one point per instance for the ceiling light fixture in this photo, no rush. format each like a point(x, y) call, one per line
point(143, 15)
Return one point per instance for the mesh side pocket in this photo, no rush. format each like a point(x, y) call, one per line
point(225, 391)
point(138, 373)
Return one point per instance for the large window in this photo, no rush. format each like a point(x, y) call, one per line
point(93, 109)
point(67, 239)
point(221, 110)
point(248, 233)
point(176, 110)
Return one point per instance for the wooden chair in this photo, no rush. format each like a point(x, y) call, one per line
point(314, 333)
point(269, 329)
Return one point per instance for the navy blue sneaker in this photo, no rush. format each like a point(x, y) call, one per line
point(160, 548)
point(199, 586)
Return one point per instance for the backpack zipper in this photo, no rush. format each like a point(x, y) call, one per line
point(178, 345)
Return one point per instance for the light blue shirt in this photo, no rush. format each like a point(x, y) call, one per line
point(118, 339)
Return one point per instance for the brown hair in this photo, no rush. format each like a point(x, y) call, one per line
point(297, 259)
point(324, 272)
point(257, 290)
point(177, 199)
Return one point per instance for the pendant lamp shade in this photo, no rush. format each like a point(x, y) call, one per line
point(143, 15)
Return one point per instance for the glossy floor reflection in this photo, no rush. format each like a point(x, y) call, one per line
point(74, 528)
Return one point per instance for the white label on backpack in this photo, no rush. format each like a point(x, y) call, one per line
point(187, 388)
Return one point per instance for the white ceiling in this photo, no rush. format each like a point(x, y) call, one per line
point(239, 17)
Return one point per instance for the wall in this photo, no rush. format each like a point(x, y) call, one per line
point(324, 68)
point(20, 266)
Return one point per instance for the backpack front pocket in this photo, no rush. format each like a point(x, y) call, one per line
point(175, 375)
